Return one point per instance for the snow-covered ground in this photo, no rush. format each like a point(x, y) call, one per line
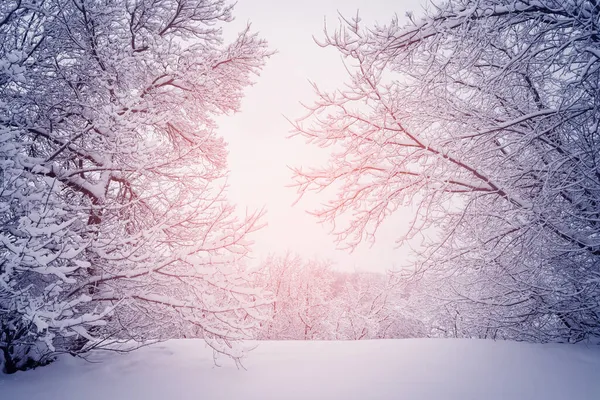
point(366, 370)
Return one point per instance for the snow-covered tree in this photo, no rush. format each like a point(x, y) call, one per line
point(302, 293)
point(313, 301)
point(113, 217)
point(483, 115)
point(373, 306)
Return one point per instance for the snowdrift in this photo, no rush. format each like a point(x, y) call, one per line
point(417, 369)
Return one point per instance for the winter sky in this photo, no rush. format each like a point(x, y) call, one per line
point(257, 136)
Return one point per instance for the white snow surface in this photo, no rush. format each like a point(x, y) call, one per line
point(416, 369)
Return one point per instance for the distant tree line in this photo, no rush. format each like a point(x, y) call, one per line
point(314, 301)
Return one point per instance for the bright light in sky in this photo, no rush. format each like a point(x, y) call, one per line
point(259, 150)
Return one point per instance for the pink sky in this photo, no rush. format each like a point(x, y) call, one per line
point(259, 150)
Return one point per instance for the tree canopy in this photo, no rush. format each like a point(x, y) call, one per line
point(113, 217)
point(484, 116)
